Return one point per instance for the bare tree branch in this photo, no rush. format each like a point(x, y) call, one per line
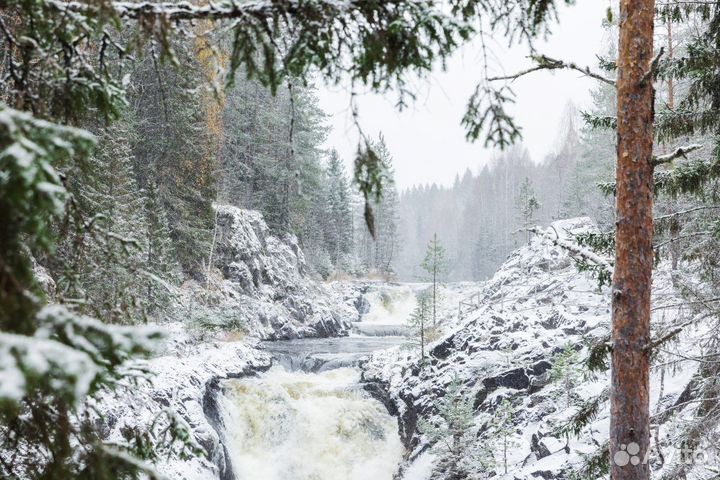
point(653, 67)
point(685, 212)
point(546, 63)
point(682, 237)
point(668, 336)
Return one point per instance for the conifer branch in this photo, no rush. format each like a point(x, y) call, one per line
point(173, 11)
point(682, 237)
point(546, 63)
point(685, 212)
point(679, 152)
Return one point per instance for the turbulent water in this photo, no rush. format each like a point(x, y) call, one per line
point(320, 354)
point(390, 307)
point(308, 418)
point(287, 425)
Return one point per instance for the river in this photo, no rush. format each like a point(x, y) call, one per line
point(308, 418)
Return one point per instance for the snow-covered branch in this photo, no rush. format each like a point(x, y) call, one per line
point(174, 11)
point(225, 10)
point(677, 153)
point(546, 63)
point(574, 248)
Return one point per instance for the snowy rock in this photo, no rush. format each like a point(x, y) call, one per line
point(262, 285)
point(43, 278)
point(530, 310)
point(184, 381)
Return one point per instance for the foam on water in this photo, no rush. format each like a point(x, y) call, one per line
point(308, 426)
point(391, 304)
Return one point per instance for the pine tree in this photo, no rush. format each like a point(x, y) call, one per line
point(527, 204)
point(419, 323)
point(453, 434)
point(630, 382)
point(435, 264)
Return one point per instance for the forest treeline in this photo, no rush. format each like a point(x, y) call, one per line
point(486, 213)
point(176, 149)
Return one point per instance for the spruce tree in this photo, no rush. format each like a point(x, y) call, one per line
point(160, 267)
point(174, 152)
point(105, 249)
point(386, 239)
point(502, 431)
point(566, 371)
point(453, 434)
point(338, 223)
point(435, 264)
point(527, 204)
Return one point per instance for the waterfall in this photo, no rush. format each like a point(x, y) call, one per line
point(391, 304)
point(293, 425)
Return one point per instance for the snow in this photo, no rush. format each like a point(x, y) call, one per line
point(180, 380)
point(501, 349)
point(22, 356)
point(263, 283)
point(534, 306)
point(72, 349)
point(421, 468)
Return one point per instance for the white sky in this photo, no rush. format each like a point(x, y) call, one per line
point(427, 141)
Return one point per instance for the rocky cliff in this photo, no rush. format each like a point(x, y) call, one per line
point(523, 346)
point(261, 284)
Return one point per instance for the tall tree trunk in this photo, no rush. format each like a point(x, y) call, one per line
point(629, 397)
point(675, 225)
point(435, 266)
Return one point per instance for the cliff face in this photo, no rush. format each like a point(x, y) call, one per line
point(262, 283)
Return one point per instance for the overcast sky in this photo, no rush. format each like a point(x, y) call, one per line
point(426, 140)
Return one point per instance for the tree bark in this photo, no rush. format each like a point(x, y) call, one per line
point(629, 396)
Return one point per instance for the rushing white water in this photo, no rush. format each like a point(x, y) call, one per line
point(391, 304)
point(390, 309)
point(308, 426)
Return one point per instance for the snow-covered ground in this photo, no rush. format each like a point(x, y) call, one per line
point(181, 386)
point(536, 306)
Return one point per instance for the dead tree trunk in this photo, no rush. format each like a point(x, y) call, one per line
point(629, 397)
